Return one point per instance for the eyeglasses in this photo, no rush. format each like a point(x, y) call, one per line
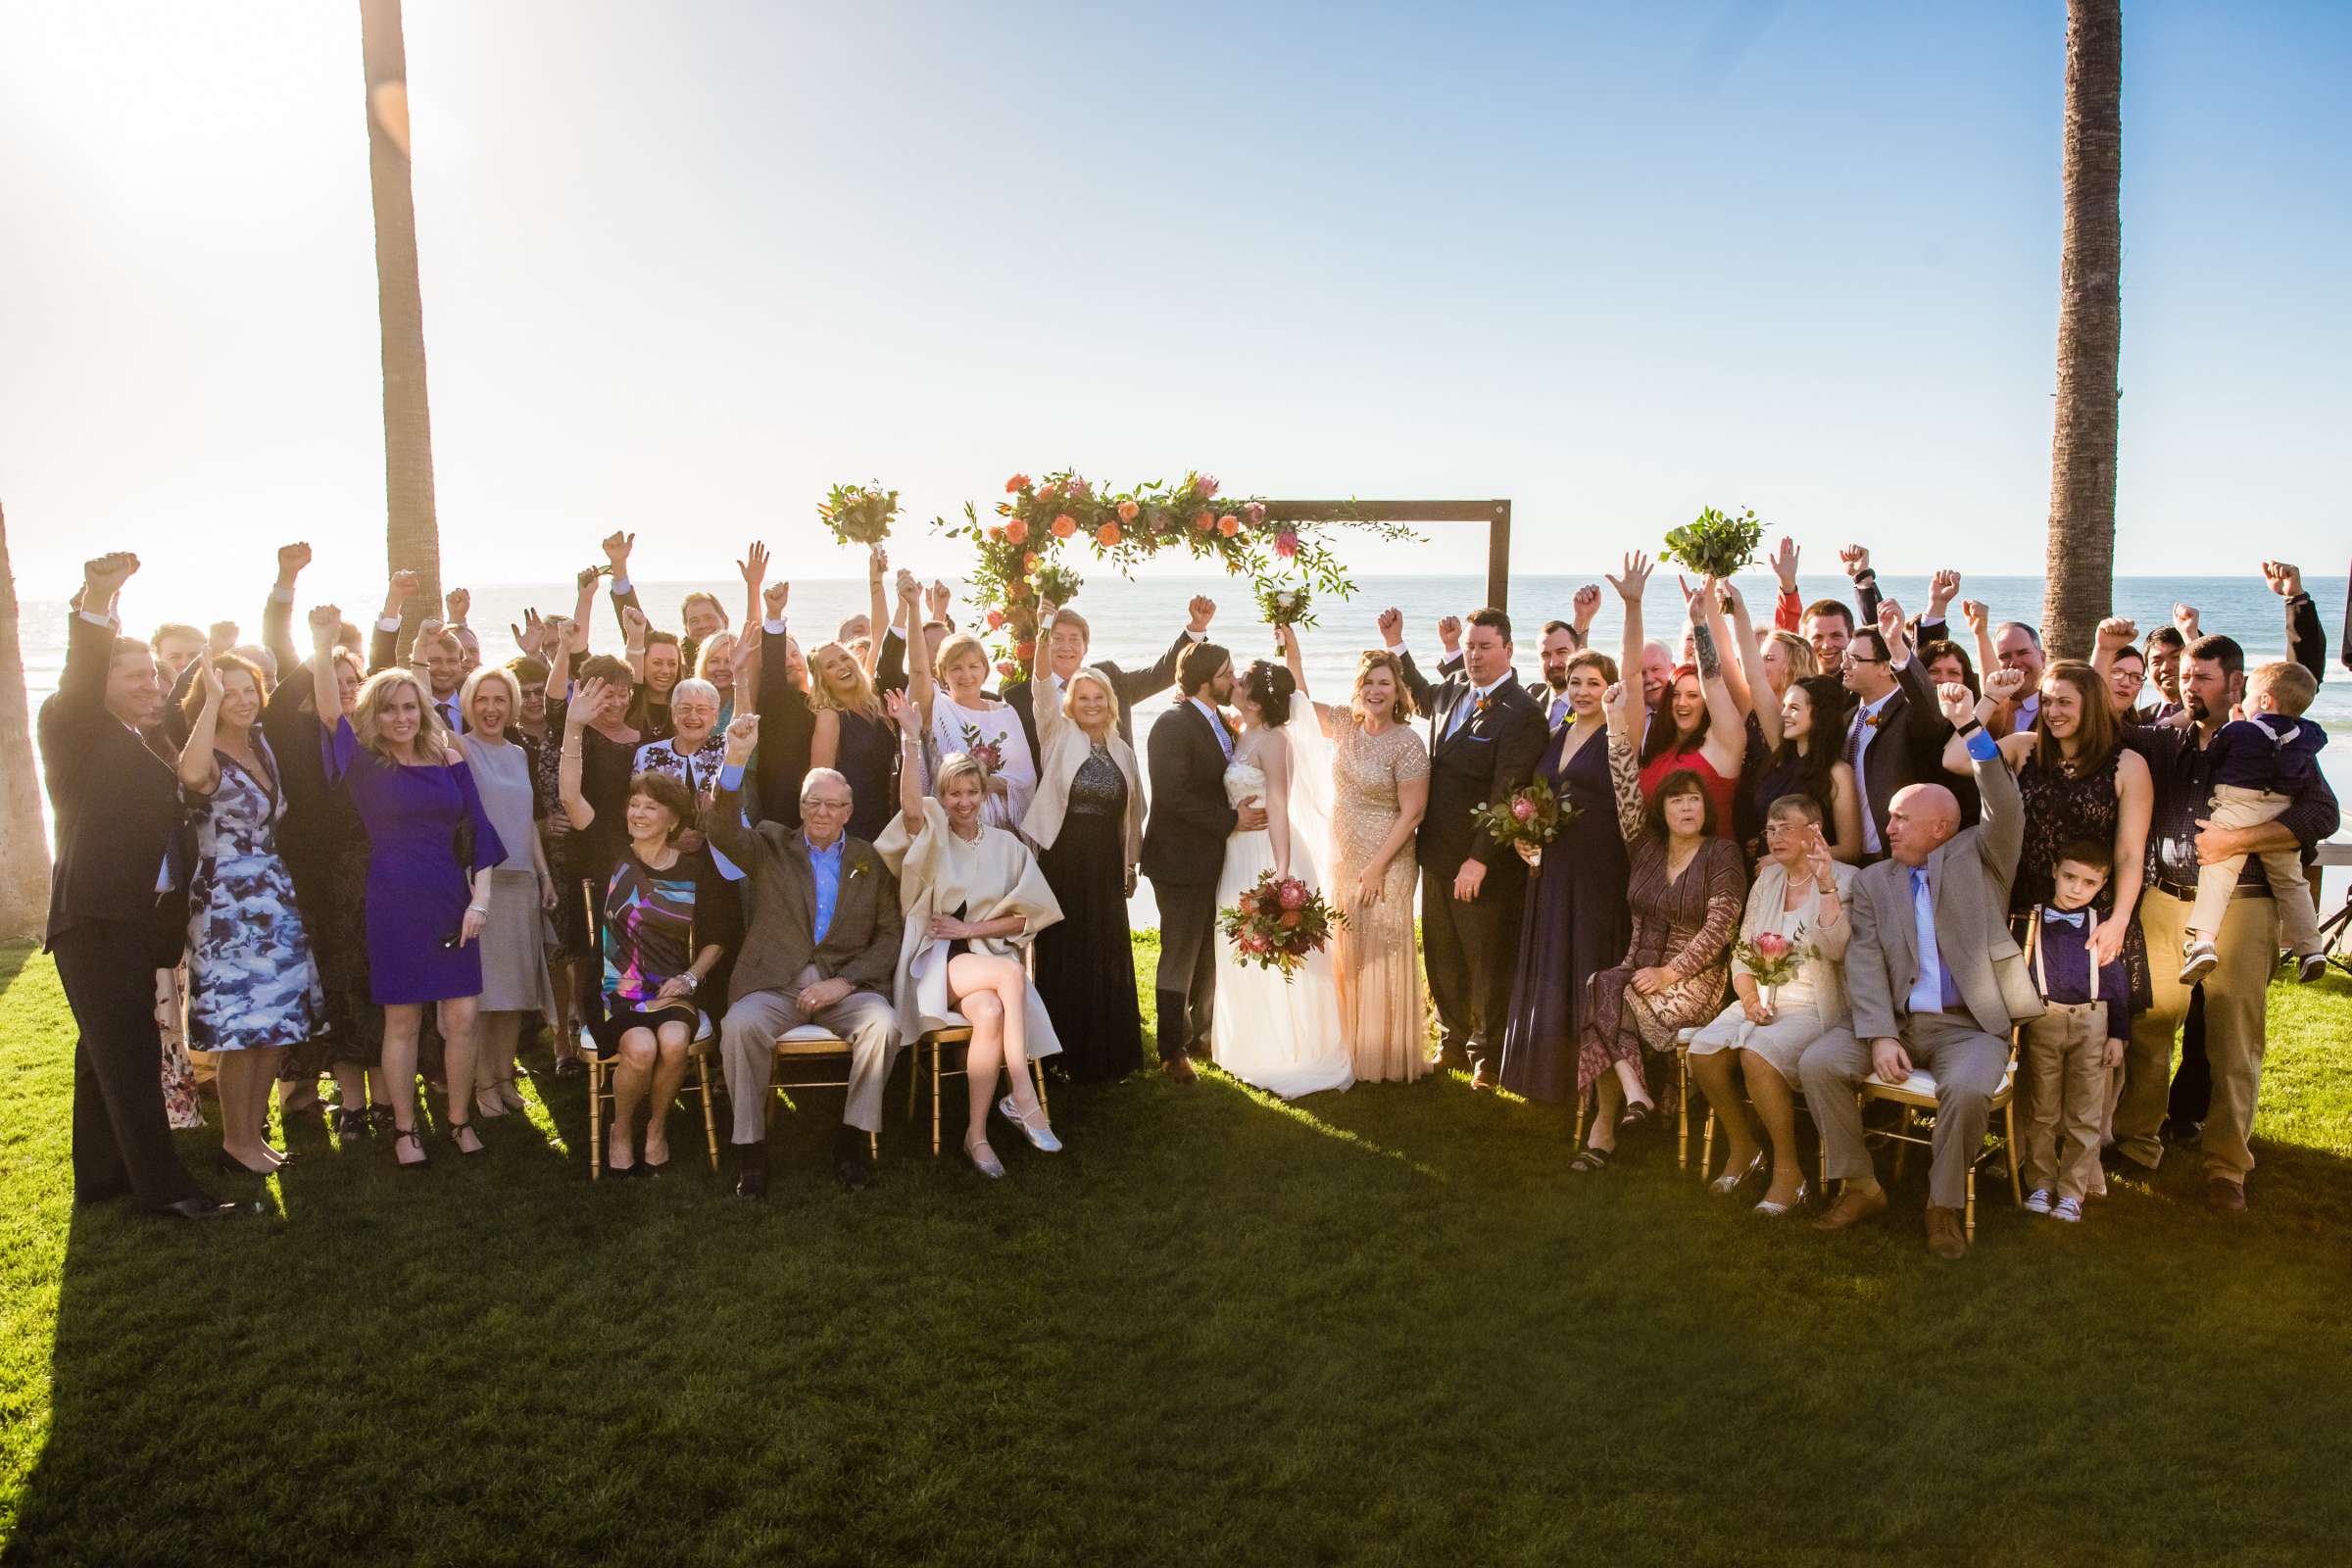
point(1853, 658)
point(813, 803)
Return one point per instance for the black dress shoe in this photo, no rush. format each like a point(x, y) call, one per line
point(198, 1207)
point(752, 1182)
point(228, 1164)
point(855, 1177)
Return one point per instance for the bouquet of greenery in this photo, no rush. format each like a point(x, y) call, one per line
point(1278, 921)
point(1531, 815)
point(859, 514)
point(1284, 604)
point(1716, 544)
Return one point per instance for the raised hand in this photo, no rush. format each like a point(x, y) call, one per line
point(2004, 685)
point(103, 577)
point(1391, 627)
point(587, 701)
point(1820, 864)
point(1201, 610)
point(1855, 558)
point(2115, 632)
point(632, 626)
point(2286, 581)
point(2185, 620)
point(877, 564)
point(531, 635)
point(935, 600)
point(742, 735)
point(774, 596)
point(754, 564)
point(458, 602)
point(1973, 612)
point(900, 709)
point(223, 636)
point(1942, 589)
point(1953, 697)
point(398, 590)
point(1587, 603)
point(1890, 625)
point(291, 558)
point(1636, 580)
point(1784, 564)
point(327, 624)
point(210, 676)
point(585, 579)
point(1449, 632)
point(618, 546)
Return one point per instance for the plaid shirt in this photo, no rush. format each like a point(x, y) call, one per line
point(2182, 771)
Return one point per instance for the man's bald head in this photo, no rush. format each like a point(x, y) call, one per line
point(1919, 820)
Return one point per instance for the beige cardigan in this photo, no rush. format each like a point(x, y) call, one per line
point(997, 877)
point(1824, 971)
point(1065, 749)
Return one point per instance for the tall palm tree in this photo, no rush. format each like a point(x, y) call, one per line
point(23, 840)
point(2082, 536)
point(414, 537)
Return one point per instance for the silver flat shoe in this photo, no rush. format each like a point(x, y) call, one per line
point(1772, 1211)
point(984, 1159)
point(1730, 1182)
point(1041, 1138)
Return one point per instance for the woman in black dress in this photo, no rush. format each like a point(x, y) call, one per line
point(1088, 817)
point(854, 737)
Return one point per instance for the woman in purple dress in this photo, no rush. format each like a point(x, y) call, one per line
point(431, 852)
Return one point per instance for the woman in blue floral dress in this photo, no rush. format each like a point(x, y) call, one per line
point(253, 988)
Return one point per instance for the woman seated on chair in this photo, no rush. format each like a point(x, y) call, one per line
point(1800, 895)
point(974, 898)
point(666, 923)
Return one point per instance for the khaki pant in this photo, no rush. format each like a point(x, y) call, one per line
point(2233, 807)
point(746, 1040)
point(1967, 1064)
point(2235, 1000)
point(2062, 1060)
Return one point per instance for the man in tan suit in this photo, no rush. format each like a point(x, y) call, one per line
point(822, 948)
point(1929, 924)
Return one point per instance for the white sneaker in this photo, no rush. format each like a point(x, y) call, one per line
point(2198, 959)
point(2038, 1202)
point(2069, 1210)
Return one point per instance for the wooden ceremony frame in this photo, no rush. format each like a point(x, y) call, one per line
point(1495, 515)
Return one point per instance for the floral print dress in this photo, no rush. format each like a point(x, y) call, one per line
point(252, 983)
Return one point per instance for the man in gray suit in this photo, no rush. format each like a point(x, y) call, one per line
point(1929, 924)
point(822, 948)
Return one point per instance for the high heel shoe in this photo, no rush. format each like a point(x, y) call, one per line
point(409, 1135)
point(984, 1159)
point(228, 1164)
point(488, 1102)
point(456, 1131)
point(1772, 1211)
point(512, 1095)
point(1041, 1138)
point(1731, 1181)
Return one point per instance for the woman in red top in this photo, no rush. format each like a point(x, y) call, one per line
point(1699, 730)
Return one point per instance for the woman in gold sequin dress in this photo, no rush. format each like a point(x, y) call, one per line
point(1379, 789)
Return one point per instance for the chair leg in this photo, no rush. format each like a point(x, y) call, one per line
point(1576, 1139)
point(1706, 1145)
point(1037, 1070)
point(935, 1054)
point(596, 1150)
point(1971, 1215)
point(701, 1078)
point(2017, 1188)
point(1902, 1147)
point(1682, 1111)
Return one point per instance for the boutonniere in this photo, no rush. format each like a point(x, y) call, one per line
point(856, 868)
point(1870, 721)
point(1478, 706)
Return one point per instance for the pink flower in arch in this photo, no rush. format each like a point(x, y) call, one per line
point(1256, 512)
point(1208, 485)
point(1286, 544)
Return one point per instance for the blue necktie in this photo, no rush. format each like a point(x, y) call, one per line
point(1934, 991)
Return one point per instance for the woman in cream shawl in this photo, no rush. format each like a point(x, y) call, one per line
point(974, 899)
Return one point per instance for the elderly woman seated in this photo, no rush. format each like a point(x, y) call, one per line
point(974, 899)
point(1799, 900)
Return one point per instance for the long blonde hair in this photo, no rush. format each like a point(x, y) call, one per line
point(1802, 661)
point(862, 698)
point(432, 736)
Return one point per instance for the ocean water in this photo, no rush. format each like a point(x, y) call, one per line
point(1133, 621)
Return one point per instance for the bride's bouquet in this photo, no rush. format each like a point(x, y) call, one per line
point(858, 514)
point(1284, 604)
point(1716, 544)
point(1278, 921)
point(1531, 815)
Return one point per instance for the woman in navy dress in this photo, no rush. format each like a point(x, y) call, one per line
point(252, 988)
point(1575, 924)
point(431, 852)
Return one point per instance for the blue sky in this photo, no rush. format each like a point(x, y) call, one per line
point(685, 265)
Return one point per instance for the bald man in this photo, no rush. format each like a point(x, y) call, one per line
point(1927, 930)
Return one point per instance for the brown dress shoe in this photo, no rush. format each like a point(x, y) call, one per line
point(1178, 1068)
point(1852, 1209)
point(2224, 1196)
point(1947, 1237)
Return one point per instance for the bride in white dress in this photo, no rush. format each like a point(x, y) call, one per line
point(1281, 1035)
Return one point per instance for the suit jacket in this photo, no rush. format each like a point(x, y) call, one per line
point(1967, 879)
point(860, 946)
point(1907, 748)
point(1494, 752)
point(1184, 840)
point(787, 728)
point(115, 795)
point(1131, 686)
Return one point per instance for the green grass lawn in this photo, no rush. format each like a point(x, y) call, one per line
point(1385, 1326)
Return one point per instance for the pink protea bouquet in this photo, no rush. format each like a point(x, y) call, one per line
point(858, 514)
point(989, 754)
point(1278, 921)
point(1771, 957)
point(1530, 815)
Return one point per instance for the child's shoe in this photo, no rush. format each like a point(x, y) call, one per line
point(2038, 1202)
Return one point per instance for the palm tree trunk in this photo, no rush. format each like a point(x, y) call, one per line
point(2081, 537)
point(414, 539)
point(24, 838)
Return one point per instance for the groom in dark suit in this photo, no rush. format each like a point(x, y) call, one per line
point(1184, 848)
point(117, 900)
point(1485, 736)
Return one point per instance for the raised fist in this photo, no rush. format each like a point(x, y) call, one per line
point(1942, 589)
point(1587, 603)
point(1391, 627)
point(291, 558)
point(2284, 580)
point(2004, 685)
point(458, 602)
point(1855, 558)
point(1953, 697)
point(403, 584)
point(1973, 612)
point(774, 596)
point(2117, 632)
point(1449, 632)
point(618, 546)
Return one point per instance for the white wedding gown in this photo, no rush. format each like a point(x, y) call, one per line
point(1282, 1036)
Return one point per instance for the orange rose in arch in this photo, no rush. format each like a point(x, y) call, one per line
point(1028, 649)
point(1202, 520)
point(1016, 530)
point(1107, 535)
point(1016, 484)
point(1127, 510)
point(1229, 525)
point(1065, 526)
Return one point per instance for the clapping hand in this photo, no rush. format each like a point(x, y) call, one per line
point(2286, 581)
point(1952, 697)
point(742, 735)
point(210, 676)
point(1391, 627)
point(1636, 571)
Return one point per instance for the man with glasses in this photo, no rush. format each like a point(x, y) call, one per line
point(1894, 738)
point(822, 948)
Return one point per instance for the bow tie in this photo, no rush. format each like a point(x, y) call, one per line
point(2073, 918)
